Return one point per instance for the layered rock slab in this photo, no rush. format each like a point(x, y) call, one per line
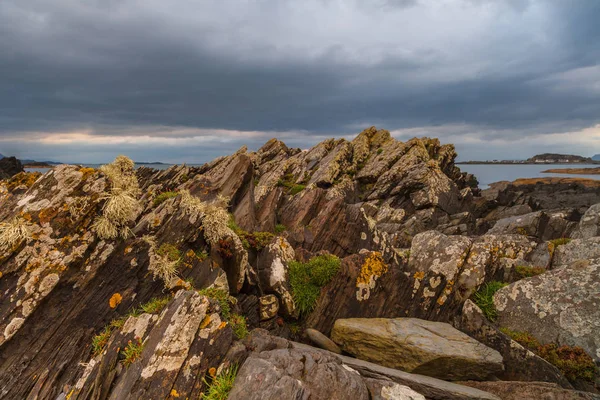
point(418, 346)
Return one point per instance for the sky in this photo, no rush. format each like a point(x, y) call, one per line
point(189, 80)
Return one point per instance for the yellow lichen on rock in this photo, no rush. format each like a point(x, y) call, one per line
point(373, 268)
point(115, 300)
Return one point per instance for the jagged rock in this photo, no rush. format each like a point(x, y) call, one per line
point(295, 374)
point(10, 166)
point(520, 364)
point(531, 391)
point(269, 306)
point(322, 341)
point(558, 306)
point(589, 226)
point(413, 345)
point(576, 250)
point(272, 265)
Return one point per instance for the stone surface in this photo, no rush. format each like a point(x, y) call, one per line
point(388, 390)
point(322, 341)
point(561, 305)
point(576, 250)
point(10, 166)
point(423, 347)
point(589, 226)
point(269, 305)
point(531, 391)
point(272, 265)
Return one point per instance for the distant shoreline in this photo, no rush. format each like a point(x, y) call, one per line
point(578, 171)
point(521, 163)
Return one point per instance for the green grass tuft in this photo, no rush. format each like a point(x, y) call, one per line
point(170, 251)
point(156, 305)
point(132, 352)
point(164, 196)
point(560, 242)
point(484, 298)
point(221, 297)
point(220, 386)
point(280, 228)
point(524, 271)
point(307, 279)
point(239, 326)
point(100, 341)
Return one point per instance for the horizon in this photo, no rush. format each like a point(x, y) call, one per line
point(186, 82)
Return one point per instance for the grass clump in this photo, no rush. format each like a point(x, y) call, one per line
point(220, 385)
point(524, 271)
point(484, 298)
point(164, 261)
point(280, 228)
point(100, 341)
point(169, 251)
point(572, 361)
point(559, 242)
point(121, 204)
point(164, 196)
point(251, 240)
point(132, 352)
point(220, 296)
point(156, 305)
point(12, 233)
point(239, 326)
point(289, 183)
point(307, 279)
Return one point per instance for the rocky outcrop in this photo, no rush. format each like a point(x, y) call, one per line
point(10, 166)
point(413, 345)
point(558, 306)
point(589, 226)
point(531, 391)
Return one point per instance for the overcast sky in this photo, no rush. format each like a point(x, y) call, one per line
point(189, 80)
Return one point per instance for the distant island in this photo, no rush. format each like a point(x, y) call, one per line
point(546, 158)
point(578, 171)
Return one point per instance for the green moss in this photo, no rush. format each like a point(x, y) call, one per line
point(161, 198)
point(239, 326)
point(484, 298)
point(280, 228)
point(294, 190)
point(221, 297)
point(573, 362)
point(379, 151)
point(254, 240)
point(170, 251)
point(220, 386)
point(289, 182)
point(132, 352)
point(307, 279)
point(201, 254)
point(524, 271)
point(156, 305)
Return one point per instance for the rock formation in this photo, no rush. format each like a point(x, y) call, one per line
point(283, 243)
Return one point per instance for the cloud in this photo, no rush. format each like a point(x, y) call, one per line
point(135, 73)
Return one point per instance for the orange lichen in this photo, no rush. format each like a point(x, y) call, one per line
point(47, 214)
point(419, 275)
point(115, 300)
point(212, 371)
point(174, 393)
point(205, 322)
point(26, 179)
point(87, 172)
point(222, 325)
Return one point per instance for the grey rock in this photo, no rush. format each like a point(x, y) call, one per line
point(575, 250)
point(561, 306)
point(322, 341)
point(589, 225)
point(532, 224)
point(388, 390)
point(413, 345)
point(269, 306)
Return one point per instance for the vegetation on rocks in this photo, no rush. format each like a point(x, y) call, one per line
point(164, 196)
point(220, 385)
point(524, 271)
point(132, 352)
point(307, 279)
point(239, 326)
point(251, 240)
point(100, 341)
point(26, 179)
point(12, 233)
point(220, 296)
point(156, 305)
point(484, 298)
point(164, 260)
point(572, 361)
point(288, 182)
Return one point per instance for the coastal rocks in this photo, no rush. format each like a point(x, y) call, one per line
point(531, 391)
point(558, 306)
point(575, 250)
point(269, 306)
point(418, 346)
point(589, 226)
point(322, 341)
point(10, 166)
point(297, 374)
point(272, 266)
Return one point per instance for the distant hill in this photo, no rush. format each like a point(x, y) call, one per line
point(596, 157)
point(551, 158)
point(1, 156)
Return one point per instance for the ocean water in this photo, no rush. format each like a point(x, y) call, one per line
point(485, 173)
point(488, 173)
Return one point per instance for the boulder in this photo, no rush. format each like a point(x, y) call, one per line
point(269, 306)
point(531, 391)
point(589, 225)
point(380, 389)
point(558, 306)
point(418, 346)
point(272, 265)
point(297, 374)
point(322, 341)
point(532, 224)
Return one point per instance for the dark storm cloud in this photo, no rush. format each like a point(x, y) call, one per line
point(165, 69)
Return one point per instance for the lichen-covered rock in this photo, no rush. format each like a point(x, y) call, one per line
point(269, 306)
point(589, 225)
point(418, 346)
point(576, 250)
point(272, 266)
point(560, 306)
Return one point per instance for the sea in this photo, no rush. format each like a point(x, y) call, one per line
point(485, 173)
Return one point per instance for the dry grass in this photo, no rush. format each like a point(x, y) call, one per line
point(214, 216)
point(13, 233)
point(161, 265)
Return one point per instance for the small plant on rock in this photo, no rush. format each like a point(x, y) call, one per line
point(163, 260)
point(156, 305)
point(219, 386)
point(13, 233)
point(524, 271)
point(280, 228)
point(161, 198)
point(484, 298)
point(132, 352)
point(100, 341)
point(220, 296)
point(239, 326)
point(307, 279)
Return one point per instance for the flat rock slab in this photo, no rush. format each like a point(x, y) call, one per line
point(531, 391)
point(322, 341)
point(424, 347)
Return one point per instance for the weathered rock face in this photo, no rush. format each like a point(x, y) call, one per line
point(413, 345)
point(10, 166)
point(559, 306)
point(589, 226)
